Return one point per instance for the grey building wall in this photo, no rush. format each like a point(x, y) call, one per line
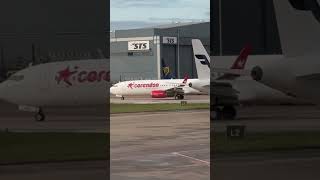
point(129, 65)
point(185, 33)
point(246, 21)
point(148, 65)
point(37, 29)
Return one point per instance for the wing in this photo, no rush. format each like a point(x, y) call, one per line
point(314, 76)
point(231, 74)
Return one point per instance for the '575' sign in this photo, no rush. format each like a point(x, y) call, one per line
point(138, 45)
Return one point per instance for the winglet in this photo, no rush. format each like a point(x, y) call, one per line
point(185, 80)
point(242, 58)
point(186, 77)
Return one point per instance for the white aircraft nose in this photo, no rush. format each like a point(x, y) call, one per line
point(112, 90)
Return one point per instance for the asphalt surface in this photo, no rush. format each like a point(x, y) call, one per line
point(78, 119)
point(171, 145)
point(149, 100)
point(293, 165)
point(87, 170)
point(273, 119)
point(168, 145)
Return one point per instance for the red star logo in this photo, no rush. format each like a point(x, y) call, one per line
point(130, 85)
point(64, 75)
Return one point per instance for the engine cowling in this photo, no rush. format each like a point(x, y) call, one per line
point(158, 94)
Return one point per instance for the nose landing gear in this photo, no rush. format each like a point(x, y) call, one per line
point(40, 116)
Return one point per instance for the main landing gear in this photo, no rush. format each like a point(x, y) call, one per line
point(122, 98)
point(225, 113)
point(179, 96)
point(40, 116)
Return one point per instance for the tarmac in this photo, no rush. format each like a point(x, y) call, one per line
point(172, 145)
point(166, 145)
point(273, 119)
point(276, 165)
point(149, 100)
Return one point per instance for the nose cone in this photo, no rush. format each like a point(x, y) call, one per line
point(112, 90)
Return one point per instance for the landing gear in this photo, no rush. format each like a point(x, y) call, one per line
point(225, 113)
point(179, 96)
point(122, 98)
point(40, 115)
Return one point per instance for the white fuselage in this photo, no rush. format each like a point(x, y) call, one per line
point(67, 83)
point(287, 75)
point(202, 85)
point(145, 87)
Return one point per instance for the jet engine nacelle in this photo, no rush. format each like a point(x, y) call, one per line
point(274, 77)
point(158, 94)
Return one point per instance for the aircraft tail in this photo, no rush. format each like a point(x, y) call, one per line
point(202, 59)
point(240, 62)
point(299, 25)
point(184, 82)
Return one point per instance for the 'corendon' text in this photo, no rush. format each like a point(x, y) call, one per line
point(147, 85)
point(69, 77)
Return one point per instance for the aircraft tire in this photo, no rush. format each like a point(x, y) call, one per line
point(217, 114)
point(40, 116)
point(122, 98)
point(229, 112)
point(180, 97)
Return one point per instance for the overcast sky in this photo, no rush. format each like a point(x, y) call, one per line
point(141, 13)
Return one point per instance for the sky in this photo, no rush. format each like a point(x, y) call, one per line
point(126, 14)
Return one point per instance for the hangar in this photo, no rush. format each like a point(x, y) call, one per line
point(40, 31)
point(235, 23)
point(141, 53)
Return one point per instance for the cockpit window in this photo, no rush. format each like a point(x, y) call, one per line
point(16, 77)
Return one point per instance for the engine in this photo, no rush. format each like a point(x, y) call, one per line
point(158, 94)
point(277, 77)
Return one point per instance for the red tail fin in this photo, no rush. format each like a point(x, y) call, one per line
point(186, 77)
point(242, 58)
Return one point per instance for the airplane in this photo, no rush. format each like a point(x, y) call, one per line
point(220, 87)
point(58, 84)
point(202, 61)
point(297, 74)
point(156, 88)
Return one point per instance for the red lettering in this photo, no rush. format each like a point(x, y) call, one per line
point(92, 76)
point(82, 77)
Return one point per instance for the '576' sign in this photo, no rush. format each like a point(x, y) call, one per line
point(138, 45)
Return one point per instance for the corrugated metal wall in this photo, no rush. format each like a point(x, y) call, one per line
point(61, 28)
point(246, 21)
point(144, 66)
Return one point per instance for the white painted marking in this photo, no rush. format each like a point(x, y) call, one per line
point(189, 157)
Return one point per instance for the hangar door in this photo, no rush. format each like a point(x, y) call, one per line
point(169, 55)
point(187, 64)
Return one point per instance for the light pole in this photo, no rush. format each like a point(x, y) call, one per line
point(178, 50)
point(220, 26)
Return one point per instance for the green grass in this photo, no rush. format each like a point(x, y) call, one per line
point(42, 147)
point(257, 142)
point(130, 108)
